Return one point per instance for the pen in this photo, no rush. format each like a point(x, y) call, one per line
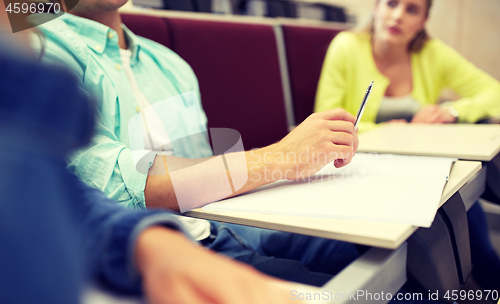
point(363, 105)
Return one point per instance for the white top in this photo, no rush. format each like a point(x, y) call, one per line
point(401, 107)
point(156, 133)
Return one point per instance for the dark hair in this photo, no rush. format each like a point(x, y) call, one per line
point(417, 44)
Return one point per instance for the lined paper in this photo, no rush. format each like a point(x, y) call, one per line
point(373, 187)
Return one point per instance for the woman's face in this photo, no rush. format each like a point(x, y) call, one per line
point(397, 22)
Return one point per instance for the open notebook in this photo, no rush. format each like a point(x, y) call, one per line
point(373, 187)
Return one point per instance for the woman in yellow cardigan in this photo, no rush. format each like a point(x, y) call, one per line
point(410, 70)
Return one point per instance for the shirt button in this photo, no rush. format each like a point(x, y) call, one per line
point(110, 35)
point(98, 47)
point(137, 109)
point(118, 67)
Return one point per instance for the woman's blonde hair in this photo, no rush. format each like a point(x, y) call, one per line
point(417, 43)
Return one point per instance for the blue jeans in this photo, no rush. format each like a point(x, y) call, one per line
point(313, 261)
point(288, 256)
point(485, 261)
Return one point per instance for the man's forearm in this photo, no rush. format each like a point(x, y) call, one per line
point(181, 184)
point(159, 191)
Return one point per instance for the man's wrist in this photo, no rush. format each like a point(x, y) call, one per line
point(263, 166)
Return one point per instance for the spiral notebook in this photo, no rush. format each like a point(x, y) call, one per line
point(373, 187)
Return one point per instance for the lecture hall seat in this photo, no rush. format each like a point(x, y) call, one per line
point(305, 50)
point(203, 6)
point(239, 74)
point(179, 5)
point(281, 8)
point(150, 27)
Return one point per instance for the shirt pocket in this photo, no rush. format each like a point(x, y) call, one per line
point(185, 123)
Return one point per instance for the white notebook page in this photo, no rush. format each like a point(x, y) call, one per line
point(373, 187)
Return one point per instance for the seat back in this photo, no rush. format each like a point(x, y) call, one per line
point(204, 6)
point(238, 70)
point(150, 27)
point(281, 8)
point(334, 13)
point(305, 50)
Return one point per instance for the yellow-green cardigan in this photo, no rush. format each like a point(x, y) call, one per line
point(349, 68)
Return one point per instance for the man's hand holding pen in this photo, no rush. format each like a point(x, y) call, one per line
point(322, 138)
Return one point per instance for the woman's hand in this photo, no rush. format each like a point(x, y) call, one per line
point(177, 271)
point(397, 121)
point(433, 114)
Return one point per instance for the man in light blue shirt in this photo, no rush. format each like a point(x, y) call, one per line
point(91, 50)
point(59, 235)
point(138, 82)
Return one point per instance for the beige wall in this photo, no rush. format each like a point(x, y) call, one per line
point(470, 26)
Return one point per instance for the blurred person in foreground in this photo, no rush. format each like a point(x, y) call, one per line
point(58, 235)
point(410, 70)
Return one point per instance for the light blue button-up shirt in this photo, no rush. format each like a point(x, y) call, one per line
point(91, 50)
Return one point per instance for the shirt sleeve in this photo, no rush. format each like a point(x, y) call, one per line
point(479, 90)
point(332, 82)
point(110, 235)
point(108, 165)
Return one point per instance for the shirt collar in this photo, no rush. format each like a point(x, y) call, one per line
point(96, 35)
point(134, 44)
